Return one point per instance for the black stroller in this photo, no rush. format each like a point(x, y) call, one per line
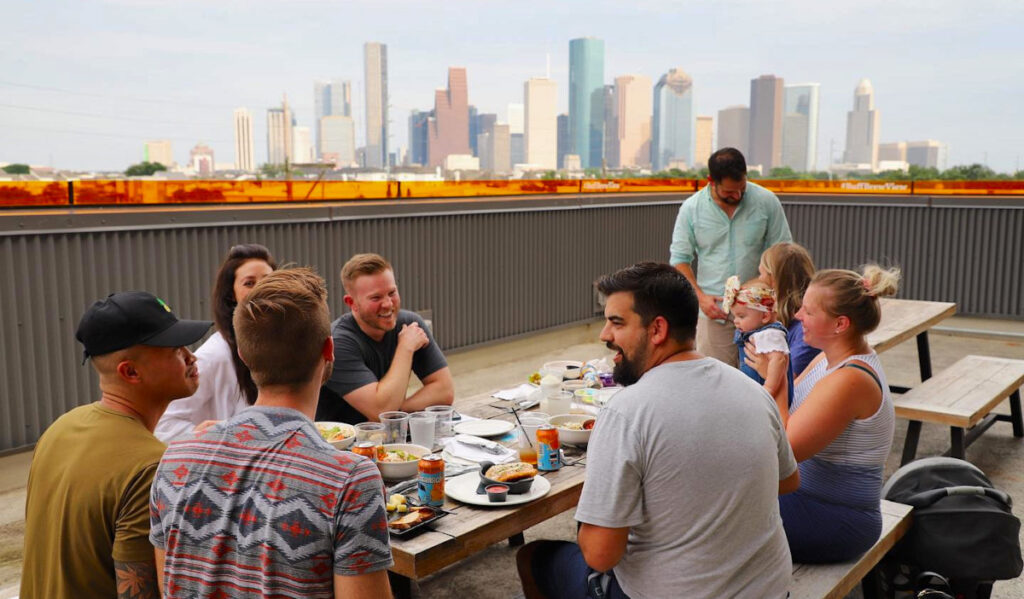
point(963, 537)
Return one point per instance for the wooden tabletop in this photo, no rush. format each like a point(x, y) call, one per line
point(470, 529)
point(903, 319)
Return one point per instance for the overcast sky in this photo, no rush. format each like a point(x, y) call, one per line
point(85, 83)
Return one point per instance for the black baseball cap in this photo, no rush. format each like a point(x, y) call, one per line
point(135, 318)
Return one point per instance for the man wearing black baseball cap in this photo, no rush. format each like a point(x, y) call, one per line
point(87, 514)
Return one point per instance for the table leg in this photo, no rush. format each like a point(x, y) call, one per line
point(401, 586)
point(910, 444)
point(1015, 414)
point(924, 356)
point(957, 446)
point(516, 540)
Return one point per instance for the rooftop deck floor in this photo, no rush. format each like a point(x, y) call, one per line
point(483, 369)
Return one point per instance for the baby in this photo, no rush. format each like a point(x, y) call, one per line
point(753, 309)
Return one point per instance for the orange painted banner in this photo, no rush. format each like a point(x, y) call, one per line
point(33, 193)
point(638, 185)
point(462, 189)
point(974, 188)
point(844, 187)
point(91, 193)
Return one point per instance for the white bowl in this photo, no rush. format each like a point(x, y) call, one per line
point(400, 470)
point(570, 369)
point(348, 433)
point(568, 435)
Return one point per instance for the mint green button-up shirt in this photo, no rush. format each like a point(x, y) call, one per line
point(722, 246)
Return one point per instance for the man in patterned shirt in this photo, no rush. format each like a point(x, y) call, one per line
point(260, 505)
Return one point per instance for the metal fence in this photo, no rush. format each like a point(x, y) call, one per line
point(487, 270)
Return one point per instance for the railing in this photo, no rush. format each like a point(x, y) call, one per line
point(26, 194)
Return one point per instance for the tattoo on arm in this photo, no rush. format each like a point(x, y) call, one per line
point(136, 580)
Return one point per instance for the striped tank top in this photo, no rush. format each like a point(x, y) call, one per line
point(849, 470)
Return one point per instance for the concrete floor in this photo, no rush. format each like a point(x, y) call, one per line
point(491, 573)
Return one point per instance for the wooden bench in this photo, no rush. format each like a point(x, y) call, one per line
point(962, 397)
point(835, 581)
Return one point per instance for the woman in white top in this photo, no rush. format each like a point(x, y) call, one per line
point(841, 421)
point(225, 385)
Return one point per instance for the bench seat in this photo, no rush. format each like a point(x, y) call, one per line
point(835, 581)
point(962, 397)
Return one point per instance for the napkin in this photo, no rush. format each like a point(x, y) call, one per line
point(521, 392)
point(478, 454)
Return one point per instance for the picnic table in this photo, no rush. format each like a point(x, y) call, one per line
point(470, 529)
point(903, 319)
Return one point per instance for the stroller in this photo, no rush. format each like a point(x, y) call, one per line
point(963, 537)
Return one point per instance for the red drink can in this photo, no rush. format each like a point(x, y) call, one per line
point(549, 457)
point(367, 449)
point(430, 486)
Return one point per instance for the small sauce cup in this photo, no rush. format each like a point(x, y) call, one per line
point(497, 493)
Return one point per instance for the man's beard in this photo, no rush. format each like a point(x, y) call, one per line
point(629, 371)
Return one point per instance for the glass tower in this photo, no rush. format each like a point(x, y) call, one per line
point(586, 100)
point(672, 135)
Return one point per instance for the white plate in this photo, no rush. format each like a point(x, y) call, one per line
point(463, 488)
point(484, 428)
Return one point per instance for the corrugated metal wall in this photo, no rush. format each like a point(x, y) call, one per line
point(487, 271)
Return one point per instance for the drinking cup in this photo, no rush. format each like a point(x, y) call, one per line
point(531, 423)
point(372, 432)
point(557, 404)
point(421, 428)
point(396, 426)
point(442, 422)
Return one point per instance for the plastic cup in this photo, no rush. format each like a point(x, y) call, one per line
point(442, 422)
point(531, 423)
point(372, 432)
point(396, 426)
point(421, 428)
point(557, 404)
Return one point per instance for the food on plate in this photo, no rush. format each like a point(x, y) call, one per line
point(586, 425)
point(535, 378)
point(412, 518)
point(397, 498)
point(397, 455)
point(335, 433)
point(397, 503)
point(510, 472)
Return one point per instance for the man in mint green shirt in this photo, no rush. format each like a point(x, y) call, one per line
point(725, 227)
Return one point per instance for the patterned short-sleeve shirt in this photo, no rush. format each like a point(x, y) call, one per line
point(260, 505)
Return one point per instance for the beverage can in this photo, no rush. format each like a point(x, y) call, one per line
point(367, 449)
point(548, 455)
point(430, 485)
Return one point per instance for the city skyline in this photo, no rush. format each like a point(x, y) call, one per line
point(947, 74)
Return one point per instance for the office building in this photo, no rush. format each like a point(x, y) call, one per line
point(800, 127)
point(474, 128)
point(862, 128)
point(449, 128)
point(494, 145)
point(610, 152)
point(928, 153)
point(896, 151)
point(338, 140)
point(159, 151)
point(765, 137)
point(375, 67)
point(633, 107)
point(734, 129)
point(418, 136)
point(586, 100)
point(672, 130)
point(330, 98)
point(564, 141)
point(279, 134)
point(540, 119)
point(243, 140)
point(201, 160)
point(302, 141)
point(703, 143)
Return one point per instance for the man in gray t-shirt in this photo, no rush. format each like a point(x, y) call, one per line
point(683, 468)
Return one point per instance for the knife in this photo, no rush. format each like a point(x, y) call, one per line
point(484, 444)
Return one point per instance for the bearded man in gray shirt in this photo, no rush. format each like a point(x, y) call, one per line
point(684, 466)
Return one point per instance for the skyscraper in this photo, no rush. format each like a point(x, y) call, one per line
point(540, 96)
point(672, 131)
point(862, 127)
point(703, 144)
point(564, 141)
point(330, 98)
point(586, 100)
point(610, 152)
point(279, 134)
point(517, 148)
point(800, 127)
point(765, 139)
point(633, 101)
point(928, 153)
point(474, 129)
point(418, 129)
point(159, 151)
point(734, 128)
point(243, 139)
point(375, 66)
point(201, 160)
point(302, 145)
point(338, 140)
point(449, 129)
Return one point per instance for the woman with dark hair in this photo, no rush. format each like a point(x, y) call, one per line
point(225, 385)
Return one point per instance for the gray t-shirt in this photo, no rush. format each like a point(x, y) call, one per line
point(690, 458)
